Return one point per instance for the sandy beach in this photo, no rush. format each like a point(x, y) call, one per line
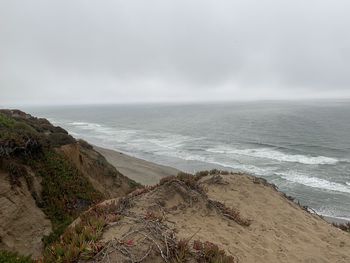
point(142, 171)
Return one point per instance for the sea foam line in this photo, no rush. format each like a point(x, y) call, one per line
point(272, 154)
point(314, 182)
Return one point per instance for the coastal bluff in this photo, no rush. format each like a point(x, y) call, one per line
point(62, 201)
point(47, 178)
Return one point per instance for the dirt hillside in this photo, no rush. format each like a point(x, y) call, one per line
point(217, 217)
point(47, 178)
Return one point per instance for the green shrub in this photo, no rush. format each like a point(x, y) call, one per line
point(81, 240)
point(65, 192)
point(59, 139)
point(6, 121)
point(12, 257)
point(85, 144)
point(57, 232)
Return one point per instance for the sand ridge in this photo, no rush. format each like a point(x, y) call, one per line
point(279, 230)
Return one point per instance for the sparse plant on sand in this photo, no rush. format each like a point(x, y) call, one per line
point(345, 227)
point(201, 252)
point(80, 241)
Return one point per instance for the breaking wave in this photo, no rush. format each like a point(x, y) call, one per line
point(268, 153)
point(314, 182)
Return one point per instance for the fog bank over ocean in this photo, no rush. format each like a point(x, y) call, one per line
point(302, 147)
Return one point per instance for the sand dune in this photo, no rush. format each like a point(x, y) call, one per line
point(244, 216)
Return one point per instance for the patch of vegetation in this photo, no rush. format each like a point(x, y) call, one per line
point(182, 252)
point(11, 257)
point(80, 242)
point(27, 143)
point(345, 227)
point(211, 253)
point(14, 129)
point(85, 144)
point(6, 121)
point(16, 171)
point(191, 181)
point(230, 213)
point(263, 181)
point(58, 230)
point(17, 128)
point(212, 172)
point(202, 252)
point(133, 185)
point(65, 192)
point(59, 139)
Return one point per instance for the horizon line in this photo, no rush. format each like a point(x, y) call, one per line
point(10, 105)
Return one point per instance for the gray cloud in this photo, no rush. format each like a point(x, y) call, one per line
point(124, 51)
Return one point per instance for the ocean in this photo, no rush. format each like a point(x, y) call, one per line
point(302, 147)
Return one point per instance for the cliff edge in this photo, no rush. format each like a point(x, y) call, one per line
point(47, 178)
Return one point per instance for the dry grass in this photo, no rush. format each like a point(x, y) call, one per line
point(345, 227)
point(262, 181)
point(211, 253)
point(202, 252)
point(148, 236)
point(192, 182)
point(229, 213)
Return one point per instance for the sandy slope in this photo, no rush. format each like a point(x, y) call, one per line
point(144, 172)
point(22, 223)
point(102, 175)
point(280, 230)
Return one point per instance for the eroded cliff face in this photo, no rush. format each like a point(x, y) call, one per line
point(22, 223)
point(47, 178)
point(102, 175)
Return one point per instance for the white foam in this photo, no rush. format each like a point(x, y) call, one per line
point(166, 144)
point(101, 132)
point(170, 141)
point(268, 153)
point(251, 169)
point(85, 125)
point(330, 212)
point(314, 182)
point(53, 121)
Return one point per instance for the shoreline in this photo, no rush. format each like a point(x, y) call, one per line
point(139, 170)
point(149, 173)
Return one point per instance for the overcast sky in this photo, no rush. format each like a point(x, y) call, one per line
point(67, 51)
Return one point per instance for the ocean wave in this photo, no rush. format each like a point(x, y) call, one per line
point(106, 133)
point(171, 141)
point(314, 182)
point(85, 125)
point(248, 168)
point(268, 153)
point(331, 212)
